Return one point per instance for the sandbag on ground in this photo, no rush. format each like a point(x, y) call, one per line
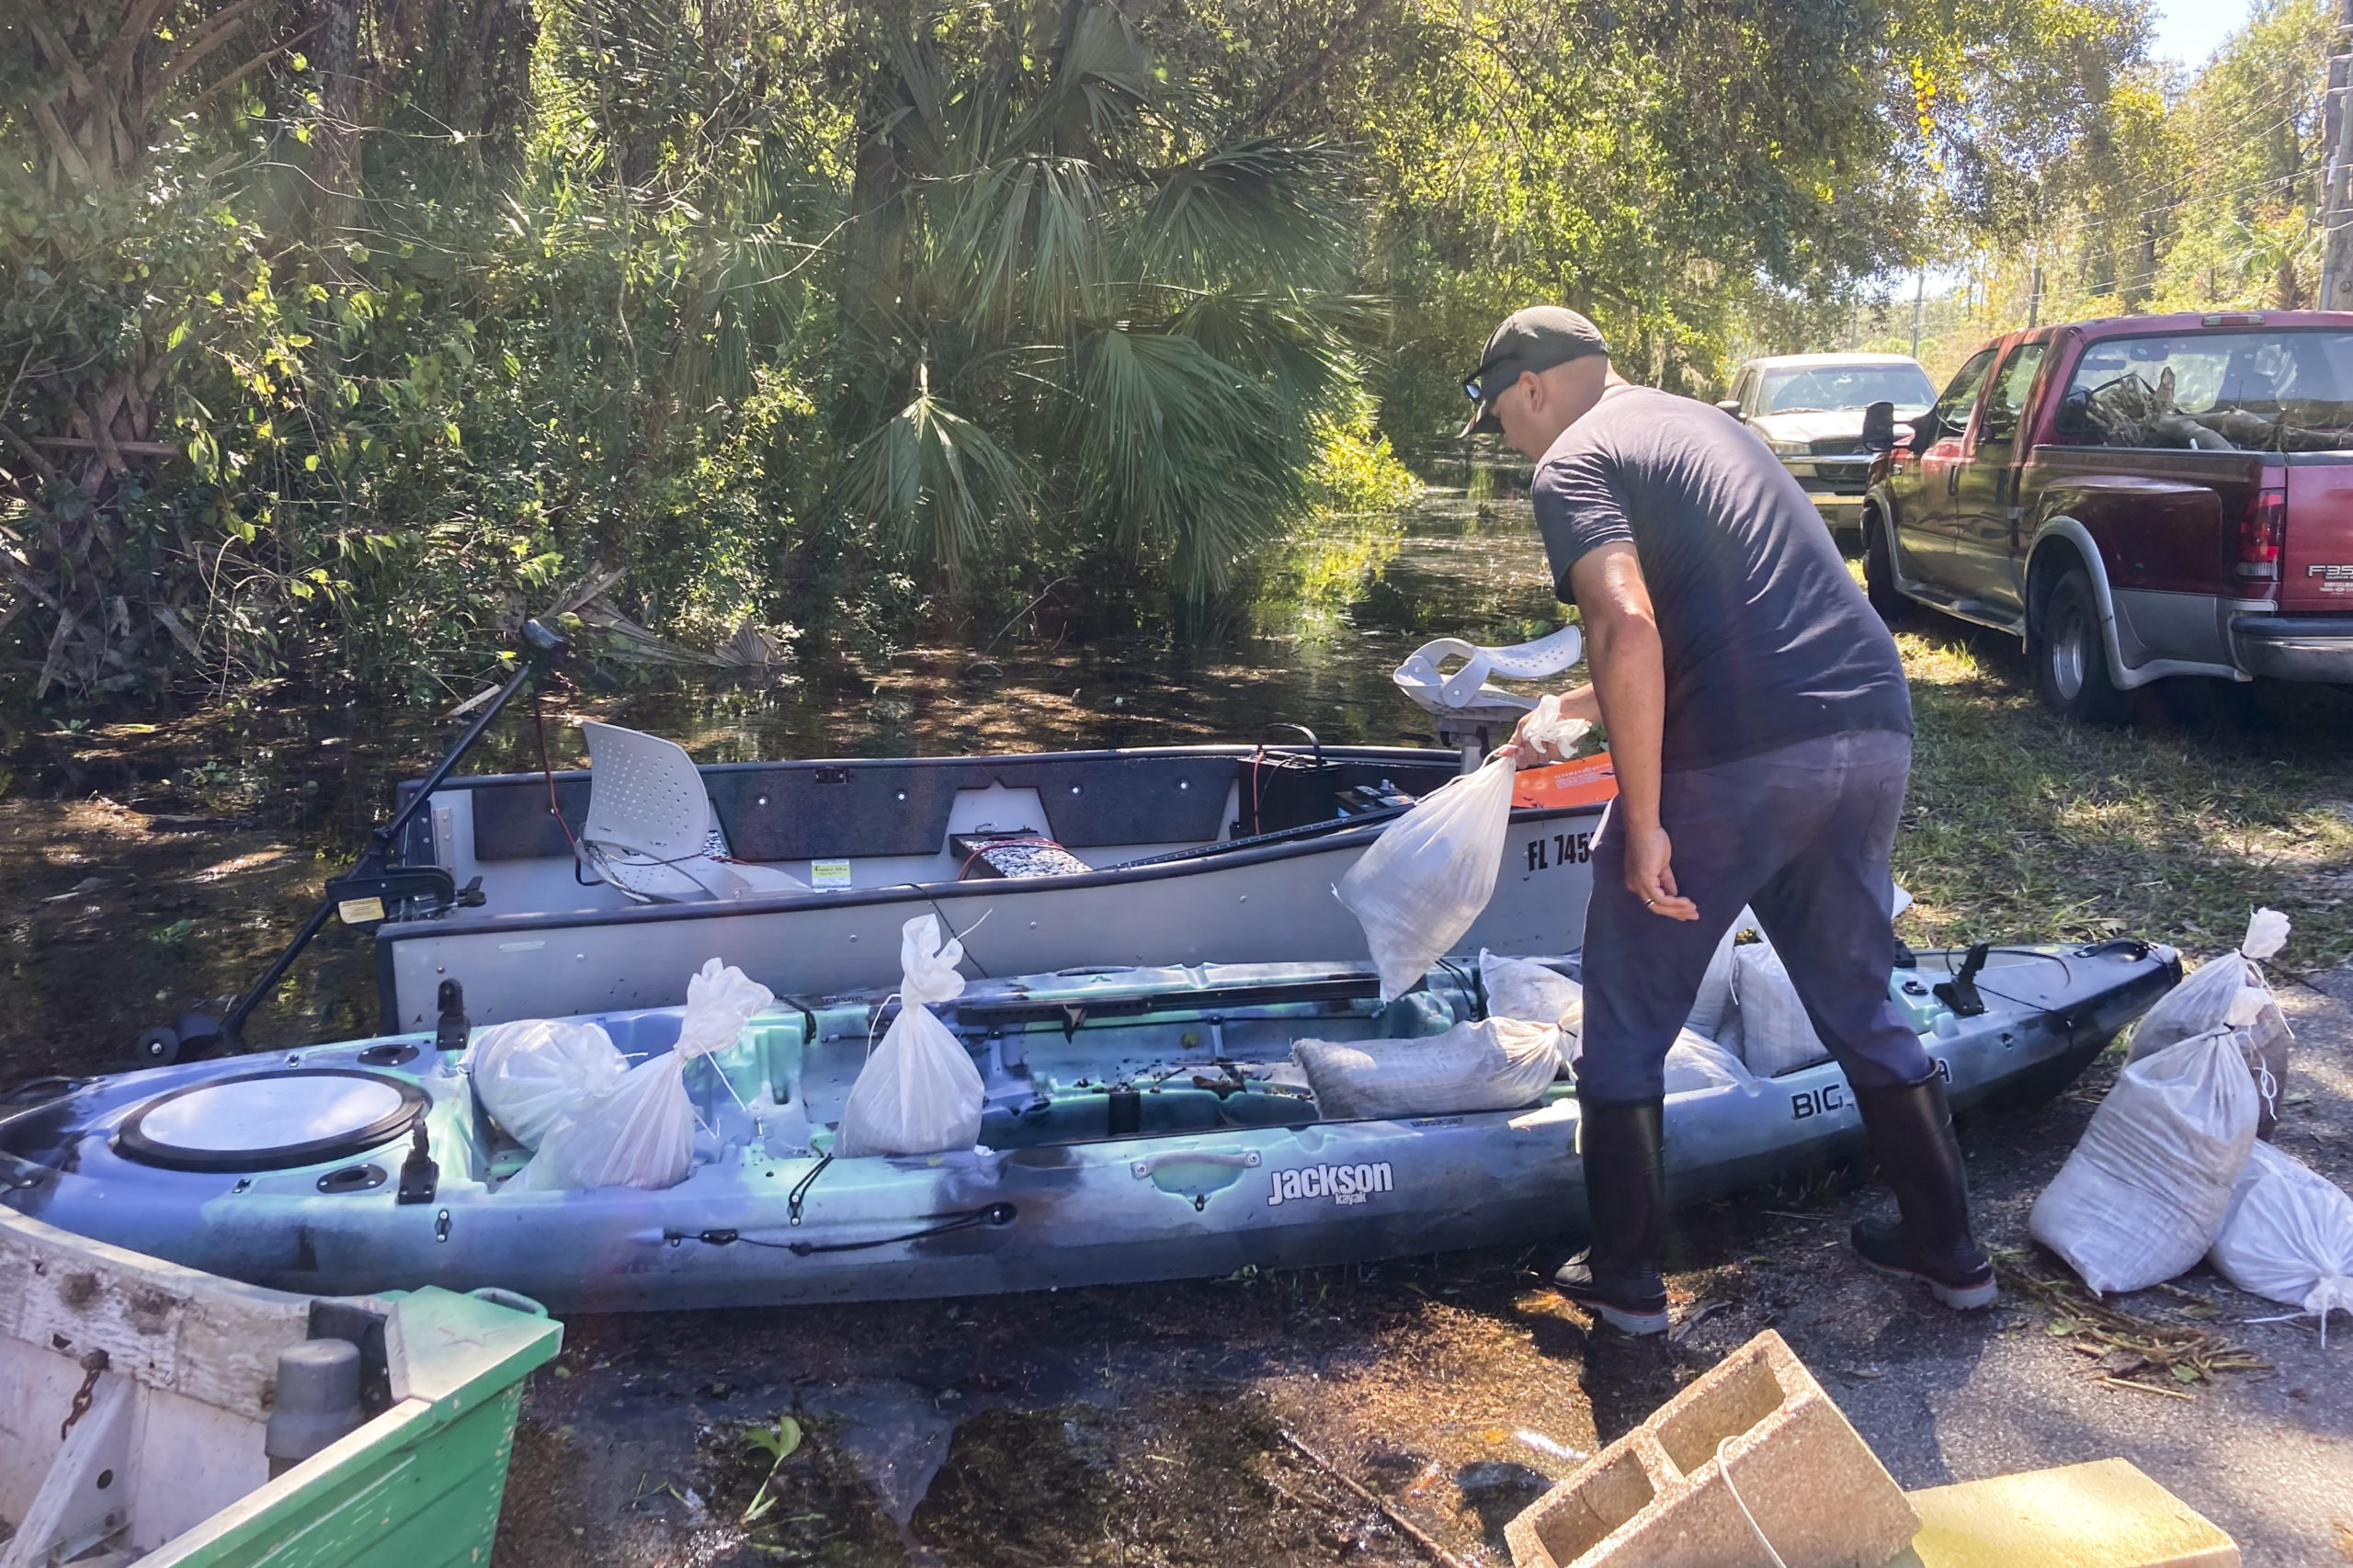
point(2288, 1236)
point(2230, 990)
point(2144, 1192)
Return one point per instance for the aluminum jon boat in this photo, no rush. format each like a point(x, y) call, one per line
point(549, 894)
point(1136, 1129)
point(1199, 853)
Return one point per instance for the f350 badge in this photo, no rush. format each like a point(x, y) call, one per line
point(2334, 579)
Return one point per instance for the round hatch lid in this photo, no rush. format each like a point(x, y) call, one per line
point(269, 1121)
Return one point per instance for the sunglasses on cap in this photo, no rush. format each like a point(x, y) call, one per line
point(1472, 382)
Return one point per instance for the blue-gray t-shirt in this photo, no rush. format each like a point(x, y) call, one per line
point(1768, 639)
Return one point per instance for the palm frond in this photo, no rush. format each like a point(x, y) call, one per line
point(935, 483)
point(1261, 211)
point(1026, 236)
point(1297, 345)
point(1181, 452)
point(1108, 70)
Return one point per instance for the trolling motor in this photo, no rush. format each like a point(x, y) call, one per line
point(374, 887)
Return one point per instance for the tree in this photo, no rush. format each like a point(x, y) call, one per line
point(1068, 292)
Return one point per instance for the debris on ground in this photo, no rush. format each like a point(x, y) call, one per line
point(2122, 1344)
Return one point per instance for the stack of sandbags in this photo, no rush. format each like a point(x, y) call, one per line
point(2231, 990)
point(2160, 1170)
point(1526, 989)
point(2146, 1189)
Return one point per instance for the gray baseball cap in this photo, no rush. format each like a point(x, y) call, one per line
point(1534, 339)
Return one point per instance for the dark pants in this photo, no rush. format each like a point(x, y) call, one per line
point(1801, 835)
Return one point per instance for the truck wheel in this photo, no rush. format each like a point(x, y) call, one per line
point(2071, 660)
point(1879, 575)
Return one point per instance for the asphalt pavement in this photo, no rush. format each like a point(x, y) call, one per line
point(2267, 1455)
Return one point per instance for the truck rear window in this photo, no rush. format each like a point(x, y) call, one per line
point(2223, 391)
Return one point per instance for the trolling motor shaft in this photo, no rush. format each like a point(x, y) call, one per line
point(373, 887)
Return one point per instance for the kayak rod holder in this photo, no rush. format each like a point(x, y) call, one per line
point(370, 878)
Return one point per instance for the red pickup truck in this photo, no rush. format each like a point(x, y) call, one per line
point(2135, 498)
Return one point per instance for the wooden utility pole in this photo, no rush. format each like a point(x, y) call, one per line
point(1919, 297)
point(2336, 198)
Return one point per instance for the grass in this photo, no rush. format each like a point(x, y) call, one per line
point(2215, 800)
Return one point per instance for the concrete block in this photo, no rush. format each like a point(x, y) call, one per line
point(1657, 1497)
point(2104, 1514)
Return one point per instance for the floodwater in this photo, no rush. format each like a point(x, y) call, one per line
point(147, 869)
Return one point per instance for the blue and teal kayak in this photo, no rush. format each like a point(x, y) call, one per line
point(1140, 1125)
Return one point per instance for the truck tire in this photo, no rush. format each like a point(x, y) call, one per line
point(2070, 671)
point(1879, 574)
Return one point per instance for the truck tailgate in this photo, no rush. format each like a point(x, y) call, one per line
point(2316, 558)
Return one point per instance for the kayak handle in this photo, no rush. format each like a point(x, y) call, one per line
point(1244, 1160)
point(514, 1300)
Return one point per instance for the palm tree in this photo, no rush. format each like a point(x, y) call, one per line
point(1062, 293)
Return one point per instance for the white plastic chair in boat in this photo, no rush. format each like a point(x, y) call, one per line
point(1468, 711)
point(650, 830)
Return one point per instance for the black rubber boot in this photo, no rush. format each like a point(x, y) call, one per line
point(1617, 1277)
point(1911, 1136)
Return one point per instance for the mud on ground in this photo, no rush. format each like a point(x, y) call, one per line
point(1145, 1427)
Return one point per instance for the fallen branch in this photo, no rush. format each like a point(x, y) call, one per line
point(1414, 1532)
point(2096, 1329)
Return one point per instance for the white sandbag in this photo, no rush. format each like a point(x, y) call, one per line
point(1496, 1064)
point(1532, 991)
point(1776, 1034)
point(642, 1132)
point(2288, 1236)
point(1715, 1003)
point(2230, 990)
point(528, 1073)
point(918, 1093)
point(1694, 1063)
point(1430, 874)
point(2144, 1192)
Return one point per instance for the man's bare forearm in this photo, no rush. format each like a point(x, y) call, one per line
point(1629, 693)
